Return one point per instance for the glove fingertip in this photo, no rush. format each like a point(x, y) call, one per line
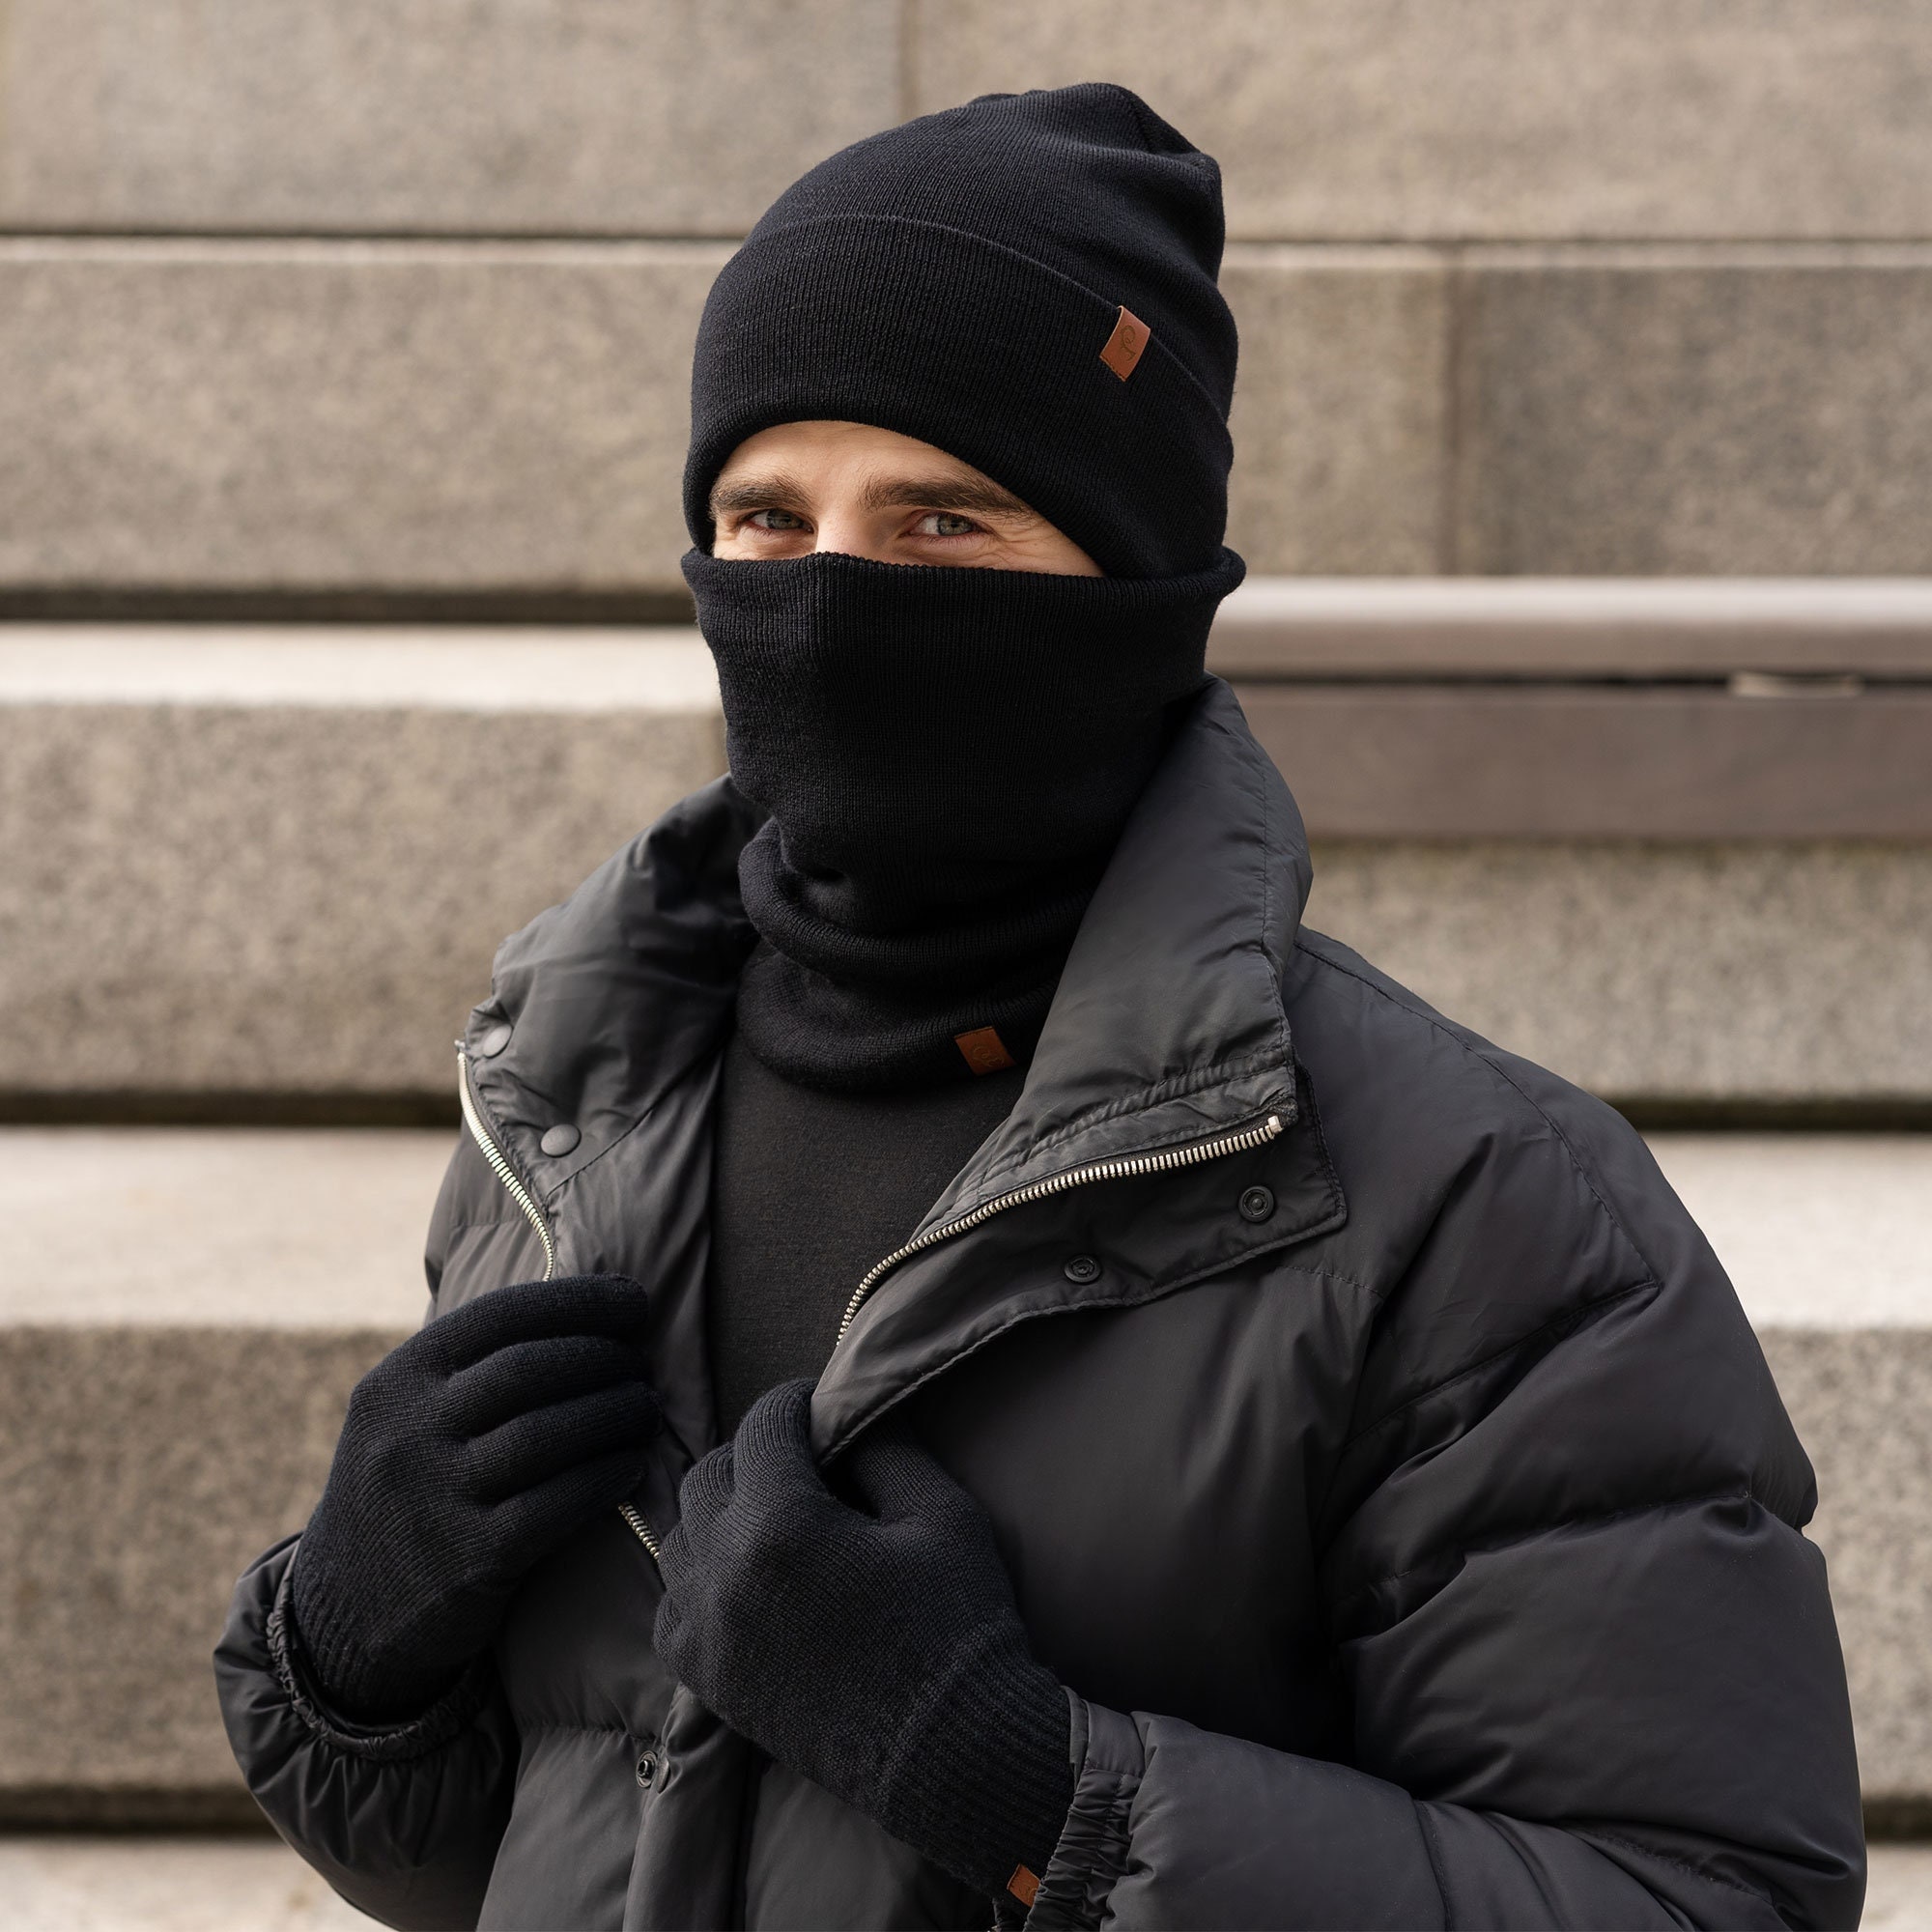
point(709, 1483)
point(774, 1440)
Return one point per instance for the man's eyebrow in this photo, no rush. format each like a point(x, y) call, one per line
point(755, 493)
point(953, 494)
point(943, 492)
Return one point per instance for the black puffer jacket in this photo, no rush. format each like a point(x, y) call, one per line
point(1379, 1454)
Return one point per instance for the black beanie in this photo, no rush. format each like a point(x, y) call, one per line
point(957, 279)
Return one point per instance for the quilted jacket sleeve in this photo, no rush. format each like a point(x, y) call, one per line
point(403, 1822)
point(1594, 1673)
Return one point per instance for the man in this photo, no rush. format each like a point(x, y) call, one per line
point(1207, 1441)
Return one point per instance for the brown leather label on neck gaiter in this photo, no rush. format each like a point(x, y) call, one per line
point(984, 1050)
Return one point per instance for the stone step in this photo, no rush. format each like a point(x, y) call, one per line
point(654, 118)
point(125, 1883)
point(1461, 708)
point(256, 864)
point(1473, 120)
point(263, 871)
point(1415, 119)
point(1537, 630)
point(303, 1230)
point(195, 419)
point(217, 1293)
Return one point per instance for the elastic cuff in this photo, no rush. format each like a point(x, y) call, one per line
point(416, 1737)
point(1108, 1760)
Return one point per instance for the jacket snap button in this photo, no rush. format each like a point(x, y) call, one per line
point(493, 1042)
point(1257, 1203)
point(559, 1139)
point(647, 1767)
point(1082, 1268)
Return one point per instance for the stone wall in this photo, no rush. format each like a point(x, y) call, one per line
point(320, 323)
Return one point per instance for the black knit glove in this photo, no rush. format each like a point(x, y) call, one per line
point(876, 1650)
point(486, 1439)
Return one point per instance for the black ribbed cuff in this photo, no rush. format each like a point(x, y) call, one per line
point(416, 1736)
point(987, 1787)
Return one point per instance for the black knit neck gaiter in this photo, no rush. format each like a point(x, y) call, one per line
point(948, 757)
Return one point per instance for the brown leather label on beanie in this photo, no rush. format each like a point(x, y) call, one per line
point(1125, 347)
point(984, 1050)
point(1024, 1885)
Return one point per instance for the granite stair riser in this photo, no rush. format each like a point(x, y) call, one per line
point(296, 897)
point(140, 1271)
point(468, 419)
point(294, 900)
point(1425, 119)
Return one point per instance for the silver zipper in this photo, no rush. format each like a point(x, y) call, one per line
point(1126, 1167)
point(500, 1164)
point(642, 1530)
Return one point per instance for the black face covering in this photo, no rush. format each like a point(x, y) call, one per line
point(948, 756)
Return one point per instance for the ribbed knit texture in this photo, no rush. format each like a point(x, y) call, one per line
point(871, 1645)
point(469, 1452)
point(948, 756)
point(955, 278)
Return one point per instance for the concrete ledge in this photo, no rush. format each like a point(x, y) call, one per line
point(273, 414)
point(138, 1273)
point(1655, 412)
point(288, 1232)
point(1592, 708)
point(259, 872)
point(373, 668)
point(92, 1884)
point(1760, 761)
point(1861, 1401)
point(131, 1502)
point(476, 418)
point(419, 116)
point(1712, 976)
point(1829, 1239)
point(278, 863)
point(1425, 119)
point(1496, 118)
point(1574, 629)
point(143, 1270)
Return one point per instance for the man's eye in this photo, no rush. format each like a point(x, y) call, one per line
point(943, 523)
point(778, 520)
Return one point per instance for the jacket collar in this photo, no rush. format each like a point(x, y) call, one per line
point(1167, 1030)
